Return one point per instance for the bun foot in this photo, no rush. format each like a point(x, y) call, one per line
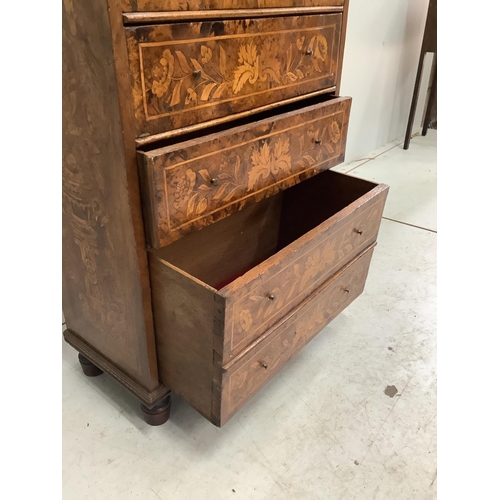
point(88, 367)
point(157, 415)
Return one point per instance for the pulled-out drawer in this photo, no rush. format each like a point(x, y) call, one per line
point(187, 186)
point(219, 291)
point(199, 72)
point(247, 373)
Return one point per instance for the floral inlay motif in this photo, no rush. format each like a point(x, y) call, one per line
point(312, 320)
point(254, 66)
point(245, 320)
point(162, 74)
point(267, 161)
point(208, 186)
point(221, 186)
point(183, 184)
point(334, 132)
point(203, 72)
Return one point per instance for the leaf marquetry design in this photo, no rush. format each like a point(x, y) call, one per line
point(181, 78)
point(263, 163)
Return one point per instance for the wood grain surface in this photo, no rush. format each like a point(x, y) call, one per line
point(183, 5)
point(204, 15)
point(256, 247)
point(191, 185)
point(184, 311)
point(147, 397)
point(281, 258)
point(106, 295)
point(186, 73)
point(237, 243)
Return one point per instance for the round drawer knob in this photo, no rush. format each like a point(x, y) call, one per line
point(197, 73)
point(263, 364)
point(271, 296)
point(346, 290)
point(358, 231)
point(318, 141)
point(309, 52)
point(214, 182)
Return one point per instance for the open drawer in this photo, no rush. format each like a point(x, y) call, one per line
point(219, 291)
point(187, 186)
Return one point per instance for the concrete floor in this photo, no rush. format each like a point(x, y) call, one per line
point(352, 416)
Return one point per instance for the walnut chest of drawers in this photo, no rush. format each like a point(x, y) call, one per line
point(205, 238)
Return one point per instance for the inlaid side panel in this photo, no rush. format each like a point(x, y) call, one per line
point(186, 73)
point(166, 5)
point(246, 376)
point(106, 298)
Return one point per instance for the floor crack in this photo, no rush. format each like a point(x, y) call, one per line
point(412, 225)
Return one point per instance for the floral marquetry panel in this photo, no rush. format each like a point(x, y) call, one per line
point(194, 184)
point(245, 377)
point(186, 73)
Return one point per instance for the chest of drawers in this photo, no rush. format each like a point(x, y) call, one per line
point(205, 238)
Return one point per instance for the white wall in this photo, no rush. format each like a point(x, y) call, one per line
point(383, 44)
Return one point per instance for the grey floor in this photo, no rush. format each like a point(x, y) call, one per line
point(352, 416)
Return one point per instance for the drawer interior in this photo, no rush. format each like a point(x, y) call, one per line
point(220, 253)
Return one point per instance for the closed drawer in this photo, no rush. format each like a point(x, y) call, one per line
point(188, 73)
point(244, 376)
point(182, 5)
point(191, 185)
point(219, 290)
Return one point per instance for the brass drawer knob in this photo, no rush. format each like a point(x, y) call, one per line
point(271, 296)
point(214, 182)
point(263, 364)
point(197, 73)
point(358, 231)
point(309, 52)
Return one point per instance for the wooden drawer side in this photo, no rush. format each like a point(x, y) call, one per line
point(186, 317)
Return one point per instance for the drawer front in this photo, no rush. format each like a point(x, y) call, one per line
point(175, 5)
point(258, 302)
point(201, 182)
point(187, 73)
point(245, 376)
